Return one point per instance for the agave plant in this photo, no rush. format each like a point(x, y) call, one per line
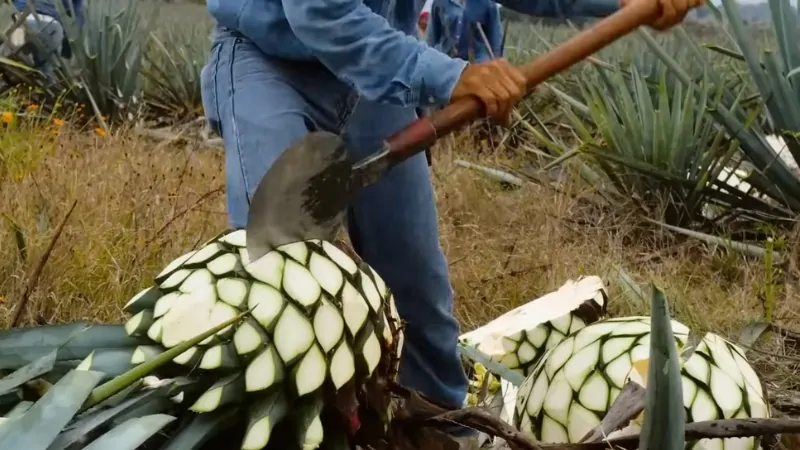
point(772, 76)
point(107, 53)
point(172, 74)
point(651, 137)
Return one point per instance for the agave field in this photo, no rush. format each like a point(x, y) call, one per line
point(668, 123)
point(691, 134)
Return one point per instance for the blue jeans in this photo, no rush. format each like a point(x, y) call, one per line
point(261, 105)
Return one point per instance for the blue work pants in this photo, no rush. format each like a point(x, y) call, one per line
point(261, 105)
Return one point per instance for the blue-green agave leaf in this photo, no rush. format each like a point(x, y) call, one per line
point(475, 355)
point(202, 428)
point(119, 383)
point(39, 427)
point(90, 423)
point(19, 409)
point(664, 415)
point(131, 434)
point(75, 341)
point(28, 372)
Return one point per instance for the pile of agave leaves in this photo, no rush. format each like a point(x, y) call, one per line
point(62, 396)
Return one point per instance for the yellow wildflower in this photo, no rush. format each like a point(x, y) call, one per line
point(100, 132)
point(58, 122)
point(33, 107)
point(7, 117)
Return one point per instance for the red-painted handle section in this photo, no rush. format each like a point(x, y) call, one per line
point(422, 133)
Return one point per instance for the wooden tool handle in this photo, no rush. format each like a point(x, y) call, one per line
point(422, 133)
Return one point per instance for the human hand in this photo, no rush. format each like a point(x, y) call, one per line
point(496, 83)
point(672, 11)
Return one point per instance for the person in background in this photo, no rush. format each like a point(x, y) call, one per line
point(279, 69)
point(456, 27)
point(423, 23)
point(47, 28)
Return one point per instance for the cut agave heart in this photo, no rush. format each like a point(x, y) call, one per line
point(577, 381)
point(520, 337)
point(319, 319)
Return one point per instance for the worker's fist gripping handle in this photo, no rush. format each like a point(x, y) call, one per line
point(503, 84)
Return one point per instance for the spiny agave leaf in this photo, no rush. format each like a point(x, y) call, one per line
point(748, 249)
point(173, 386)
point(202, 428)
point(693, 340)
point(112, 362)
point(28, 372)
point(15, 64)
point(87, 425)
point(630, 286)
point(155, 406)
point(664, 415)
point(473, 354)
point(751, 333)
point(38, 427)
point(21, 346)
point(119, 383)
point(115, 399)
point(131, 434)
point(18, 410)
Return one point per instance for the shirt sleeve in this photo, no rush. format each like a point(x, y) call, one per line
point(363, 49)
point(563, 8)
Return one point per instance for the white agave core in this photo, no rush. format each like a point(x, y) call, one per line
point(576, 382)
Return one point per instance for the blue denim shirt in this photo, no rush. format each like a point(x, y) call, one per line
point(453, 28)
point(48, 7)
point(370, 44)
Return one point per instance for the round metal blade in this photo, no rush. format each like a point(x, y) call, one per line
point(304, 195)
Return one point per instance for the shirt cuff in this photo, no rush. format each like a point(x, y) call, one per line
point(437, 75)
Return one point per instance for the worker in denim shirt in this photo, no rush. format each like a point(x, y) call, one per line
point(47, 27)
point(456, 26)
point(281, 68)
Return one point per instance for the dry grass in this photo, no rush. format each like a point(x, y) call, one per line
point(139, 206)
point(507, 247)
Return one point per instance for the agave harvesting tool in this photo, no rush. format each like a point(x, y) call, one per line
point(305, 193)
